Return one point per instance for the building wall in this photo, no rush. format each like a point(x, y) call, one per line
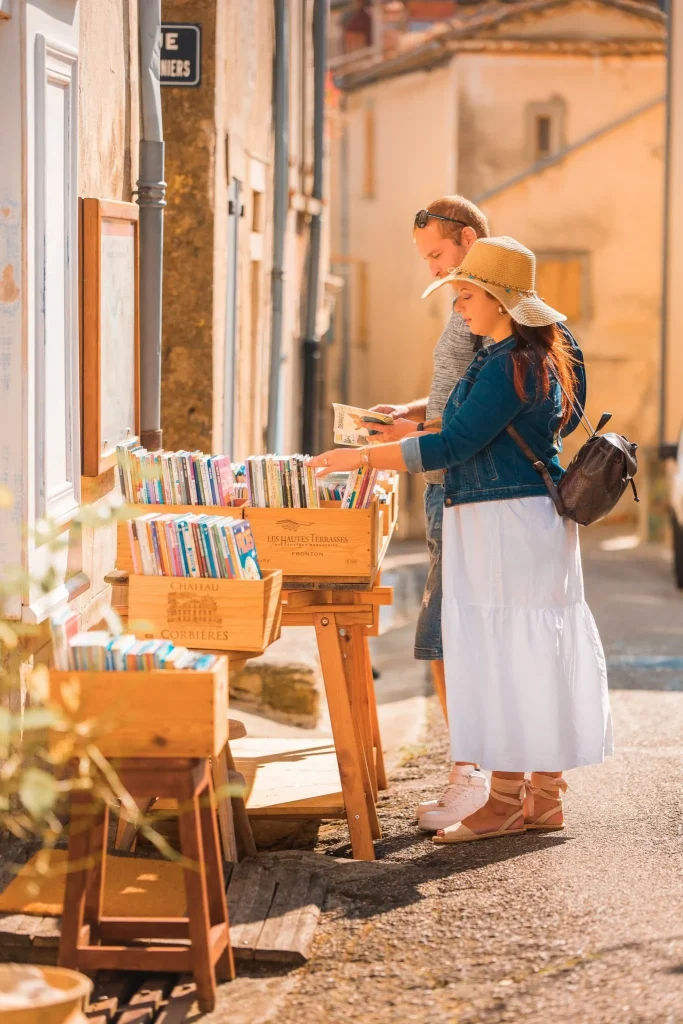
point(464, 128)
point(219, 134)
point(96, 40)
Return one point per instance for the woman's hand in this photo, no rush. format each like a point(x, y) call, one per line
point(338, 460)
point(395, 431)
point(397, 411)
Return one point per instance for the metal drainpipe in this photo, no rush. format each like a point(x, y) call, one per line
point(666, 450)
point(151, 190)
point(345, 246)
point(275, 431)
point(311, 342)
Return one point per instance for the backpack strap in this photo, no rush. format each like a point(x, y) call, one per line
point(540, 468)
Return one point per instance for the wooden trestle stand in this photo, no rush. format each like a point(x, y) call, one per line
point(331, 563)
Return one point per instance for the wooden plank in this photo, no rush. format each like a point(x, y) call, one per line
point(288, 933)
point(250, 895)
point(380, 768)
point(290, 777)
point(18, 929)
point(156, 713)
point(108, 996)
point(143, 1005)
point(180, 1003)
point(47, 935)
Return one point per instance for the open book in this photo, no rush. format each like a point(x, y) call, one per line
point(350, 428)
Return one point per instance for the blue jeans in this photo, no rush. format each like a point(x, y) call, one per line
point(428, 646)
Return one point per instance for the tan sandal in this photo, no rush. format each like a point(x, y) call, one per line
point(547, 788)
point(500, 790)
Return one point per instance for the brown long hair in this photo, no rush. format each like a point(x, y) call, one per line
point(535, 346)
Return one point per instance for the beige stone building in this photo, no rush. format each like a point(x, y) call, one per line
point(548, 113)
point(221, 228)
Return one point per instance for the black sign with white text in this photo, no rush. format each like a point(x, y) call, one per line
point(181, 51)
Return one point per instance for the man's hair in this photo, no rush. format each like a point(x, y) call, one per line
point(460, 209)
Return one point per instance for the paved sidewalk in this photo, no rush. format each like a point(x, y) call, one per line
point(579, 927)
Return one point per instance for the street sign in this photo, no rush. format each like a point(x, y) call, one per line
point(181, 52)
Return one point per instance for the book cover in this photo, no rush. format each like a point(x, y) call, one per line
point(225, 478)
point(246, 550)
point(350, 429)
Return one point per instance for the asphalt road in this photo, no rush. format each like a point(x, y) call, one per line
point(580, 926)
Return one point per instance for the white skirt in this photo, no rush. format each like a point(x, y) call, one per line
point(526, 679)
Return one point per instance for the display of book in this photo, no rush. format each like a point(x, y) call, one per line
point(192, 545)
point(99, 651)
point(281, 481)
point(176, 478)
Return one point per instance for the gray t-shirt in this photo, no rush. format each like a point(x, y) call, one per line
point(454, 352)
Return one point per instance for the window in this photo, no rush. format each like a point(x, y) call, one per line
point(562, 280)
point(543, 136)
point(545, 124)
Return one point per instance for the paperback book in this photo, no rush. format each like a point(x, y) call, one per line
point(176, 478)
point(281, 481)
point(353, 426)
point(99, 651)
point(193, 545)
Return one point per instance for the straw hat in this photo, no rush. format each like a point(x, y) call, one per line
point(507, 270)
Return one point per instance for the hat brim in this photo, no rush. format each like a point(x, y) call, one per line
point(528, 310)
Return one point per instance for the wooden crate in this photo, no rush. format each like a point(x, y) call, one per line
point(209, 614)
point(157, 713)
point(329, 542)
point(124, 559)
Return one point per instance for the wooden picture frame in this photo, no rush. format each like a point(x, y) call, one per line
point(110, 330)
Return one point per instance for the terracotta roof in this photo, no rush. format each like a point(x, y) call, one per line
point(482, 24)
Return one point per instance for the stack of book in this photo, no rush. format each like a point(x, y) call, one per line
point(219, 547)
point(176, 478)
point(360, 488)
point(332, 487)
point(99, 651)
point(281, 481)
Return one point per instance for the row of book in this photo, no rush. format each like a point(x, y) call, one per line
point(360, 488)
point(176, 478)
point(99, 651)
point(219, 547)
point(281, 481)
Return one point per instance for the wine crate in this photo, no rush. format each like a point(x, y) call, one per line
point(328, 542)
point(155, 713)
point(208, 614)
point(124, 559)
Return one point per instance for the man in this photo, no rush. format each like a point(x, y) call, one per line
point(443, 234)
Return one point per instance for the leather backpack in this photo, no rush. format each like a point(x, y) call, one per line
point(596, 477)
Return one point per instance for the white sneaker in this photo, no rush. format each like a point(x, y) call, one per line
point(467, 790)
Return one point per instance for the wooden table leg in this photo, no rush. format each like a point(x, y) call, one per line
point(81, 813)
point(360, 698)
point(191, 846)
point(219, 769)
point(215, 883)
point(372, 700)
point(348, 748)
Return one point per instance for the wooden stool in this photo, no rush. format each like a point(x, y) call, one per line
point(92, 942)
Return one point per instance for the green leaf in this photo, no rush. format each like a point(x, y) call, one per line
point(37, 792)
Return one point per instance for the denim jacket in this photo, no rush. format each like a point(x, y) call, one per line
point(481, 460)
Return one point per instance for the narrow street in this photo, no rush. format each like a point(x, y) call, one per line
point(581, 926)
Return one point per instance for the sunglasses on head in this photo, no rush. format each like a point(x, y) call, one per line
point(422, 217)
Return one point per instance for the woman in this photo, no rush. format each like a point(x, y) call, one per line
point(523, 660)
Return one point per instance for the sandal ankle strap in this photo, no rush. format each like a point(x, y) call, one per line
point(550, 789)
point(508, 791)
